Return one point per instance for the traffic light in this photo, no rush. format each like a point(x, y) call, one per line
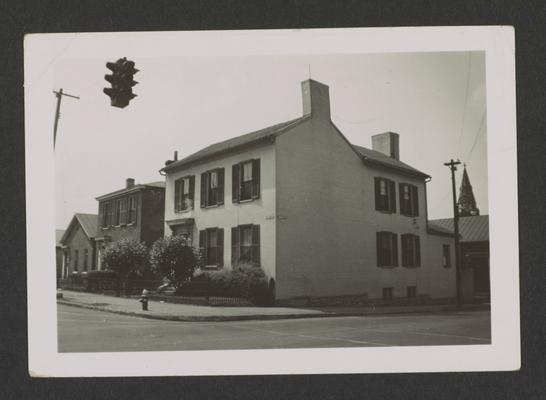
point(121, 79)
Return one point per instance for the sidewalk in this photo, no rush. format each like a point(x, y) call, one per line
point(189, 312)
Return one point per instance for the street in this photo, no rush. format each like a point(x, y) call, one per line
point(83, 330)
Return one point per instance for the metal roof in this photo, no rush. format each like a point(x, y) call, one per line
point(380, 158)
point(471, 228)
point(58, 236)
point(88, 222)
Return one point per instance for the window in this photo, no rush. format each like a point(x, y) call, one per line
point(409, 200)
point(385, 199)
point(387, 293)
point(211, 243)
point(245, 244)
point(446, 251)
point(245, 181)
point(105, 211)
point(117, 212)
point(183, 193)
point(411, 251)
point(75, 260)
point(387, 249)
point(85, 257)
point(123, 211)
point(212, 188)
point(412, 292)
point(132, 210)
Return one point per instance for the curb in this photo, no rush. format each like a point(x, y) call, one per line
point(257, 317)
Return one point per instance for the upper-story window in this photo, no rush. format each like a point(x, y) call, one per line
point(120, 212)
point(409, 199)
point(105, 211)
point(385, 196)
point(245, 180)
point(212, 187)
point(132, 210)
point(184, 193)
point(387, 249)
point(411, 250)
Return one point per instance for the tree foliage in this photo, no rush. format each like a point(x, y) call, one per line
point(174, 257)
point(126, 256)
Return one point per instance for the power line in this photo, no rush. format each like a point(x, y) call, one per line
point(477, 134)
point(465, 102)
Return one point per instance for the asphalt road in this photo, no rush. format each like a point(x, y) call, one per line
point(83, 330)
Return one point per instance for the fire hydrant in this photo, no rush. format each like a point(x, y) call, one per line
point(144, 300)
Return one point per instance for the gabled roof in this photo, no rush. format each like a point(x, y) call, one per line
point(58, 236)
point(88, 222)
point(237, 142)
point(134, 188)
point(471, 228)
point(439, 229)
point(375, 157)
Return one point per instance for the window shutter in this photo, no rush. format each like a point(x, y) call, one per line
point(234, 245)
point(401, 200)
point(256, 179)
point(221, 186)
point(191, 190)
point(404, 243)
point(415, 200)
point(392, 196)
point(378, 247)
point(220, 246)
point(101, 214)
point(417, 252)
point(124, 210)
point(177, 192)
point(203, 189)
point(235, 183)
point(377, 188)
point(256, 244)
point(203, 245)
point(135, 209)
point(394, 238)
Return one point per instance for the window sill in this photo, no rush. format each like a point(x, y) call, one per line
point(409, 215)
point(411, 266)
point(183, 211)
point(387, 266)
point(212, 206)
point(386, 212)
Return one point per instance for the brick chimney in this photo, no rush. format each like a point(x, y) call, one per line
point(387, 143)
point(316, 99)
point(129, 182)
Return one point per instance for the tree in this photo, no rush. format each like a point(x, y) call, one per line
point(174, 258)
point(126, 256)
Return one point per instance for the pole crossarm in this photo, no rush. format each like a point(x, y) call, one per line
point(59, 96)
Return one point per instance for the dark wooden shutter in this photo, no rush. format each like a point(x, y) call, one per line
point(235, 183)
point(101, 214)
point(417, 251)
point(234, 246)
point(203, 189)
point(135, 208)
point(221, 186)
point(191, 190)
point(177, 192)
point(394, 238)
point(256, 179)
point(392, 196)
point(403, 204)
point(203, 245)
point(377, 193)
point(415, 200)
point(256, 244)
point(123, 211)
point(220, 246)
point(378, 247)
point(404, 245)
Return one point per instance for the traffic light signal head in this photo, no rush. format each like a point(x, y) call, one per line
point(121, 79)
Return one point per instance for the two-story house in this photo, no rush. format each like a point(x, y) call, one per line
point(323, 217)
point(134, 212)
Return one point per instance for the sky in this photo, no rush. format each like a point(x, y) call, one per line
point(435, 101)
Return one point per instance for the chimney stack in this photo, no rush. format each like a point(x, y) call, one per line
point(176, 155)
point(316, 99)
point(387, 143)
point(129, 182)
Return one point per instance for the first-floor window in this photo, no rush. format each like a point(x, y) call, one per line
point(387, 249)
point(411, 251)
point(388, 293)
point(446, 255)
point(85, 257)
point(211, 243)
point(245, 244)
point(412, 292)
point(75, 260)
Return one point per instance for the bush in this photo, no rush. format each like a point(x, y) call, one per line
point(94, 280)
point(126, 256)
point(174, 258)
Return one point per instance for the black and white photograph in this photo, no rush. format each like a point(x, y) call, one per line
point(256, 202)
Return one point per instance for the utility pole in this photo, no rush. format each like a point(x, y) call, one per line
point(453, 167)
point(59, 96)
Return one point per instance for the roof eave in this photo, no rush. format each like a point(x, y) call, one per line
point(394, 167)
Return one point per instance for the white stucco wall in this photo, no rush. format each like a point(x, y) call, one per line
point(259, 212)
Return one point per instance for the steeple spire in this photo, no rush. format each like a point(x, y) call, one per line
point(467, 202)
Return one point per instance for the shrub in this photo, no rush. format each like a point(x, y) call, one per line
point(95, 280)
point(126, 256)
point(174, 257)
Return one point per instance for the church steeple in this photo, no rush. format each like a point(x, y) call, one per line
point(467, 202)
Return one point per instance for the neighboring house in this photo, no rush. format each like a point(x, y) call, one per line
point(321, 216)
point(134, 212)
point(79, 245)
point(59, 252)
point(474, 243)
